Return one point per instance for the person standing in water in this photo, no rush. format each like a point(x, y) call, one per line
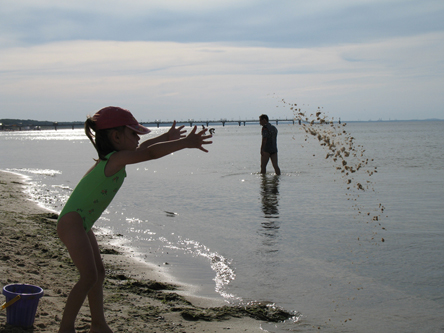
point(269, 145)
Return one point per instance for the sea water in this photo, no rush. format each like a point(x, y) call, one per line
point(342, 259)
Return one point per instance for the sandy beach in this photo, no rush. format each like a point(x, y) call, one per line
point(137, 297)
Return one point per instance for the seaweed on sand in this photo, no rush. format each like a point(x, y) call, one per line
point(256, 311)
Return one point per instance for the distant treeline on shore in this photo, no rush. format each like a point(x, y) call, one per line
point(30, 122)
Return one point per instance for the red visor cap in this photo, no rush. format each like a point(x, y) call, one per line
point(113, 116)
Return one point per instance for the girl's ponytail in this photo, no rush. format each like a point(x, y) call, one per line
point(89, 126)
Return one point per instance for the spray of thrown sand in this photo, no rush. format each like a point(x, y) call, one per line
point(348, 159)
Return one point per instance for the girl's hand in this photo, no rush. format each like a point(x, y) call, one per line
point(176, 133)
point(196, 140)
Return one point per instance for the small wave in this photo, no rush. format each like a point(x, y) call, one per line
point(219, 264)
point(42, 172)
point(63, 187)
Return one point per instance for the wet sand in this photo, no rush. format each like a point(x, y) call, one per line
point(138, 298)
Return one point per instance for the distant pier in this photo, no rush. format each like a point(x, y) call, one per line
point(153, 123)
point(222, 122)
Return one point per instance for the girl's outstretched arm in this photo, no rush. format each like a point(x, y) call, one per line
point(172, 134)
point(123, 157)
point(193, 140)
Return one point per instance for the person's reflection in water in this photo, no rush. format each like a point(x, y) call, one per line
point(270, 207)
point(270, 196)
point(267, 252)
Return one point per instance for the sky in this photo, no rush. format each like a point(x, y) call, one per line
point(233, 59)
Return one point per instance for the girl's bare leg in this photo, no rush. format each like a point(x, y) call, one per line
point(95, 295)
point(71, 232)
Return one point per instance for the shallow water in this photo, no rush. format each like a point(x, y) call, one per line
point(302, 240)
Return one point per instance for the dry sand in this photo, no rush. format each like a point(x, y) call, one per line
point(136, 297)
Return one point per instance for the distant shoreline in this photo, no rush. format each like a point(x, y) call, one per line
point(29, 124)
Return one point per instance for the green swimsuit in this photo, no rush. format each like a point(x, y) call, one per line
point(93, 194)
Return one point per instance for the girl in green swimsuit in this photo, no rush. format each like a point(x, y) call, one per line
point(114, 132)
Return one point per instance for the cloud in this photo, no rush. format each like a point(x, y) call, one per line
point(358, 58)
point(281, 23)
point(206, 80)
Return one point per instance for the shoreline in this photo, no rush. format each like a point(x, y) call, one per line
point(137, 297)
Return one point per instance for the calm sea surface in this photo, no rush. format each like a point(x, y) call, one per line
point(356, 252)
